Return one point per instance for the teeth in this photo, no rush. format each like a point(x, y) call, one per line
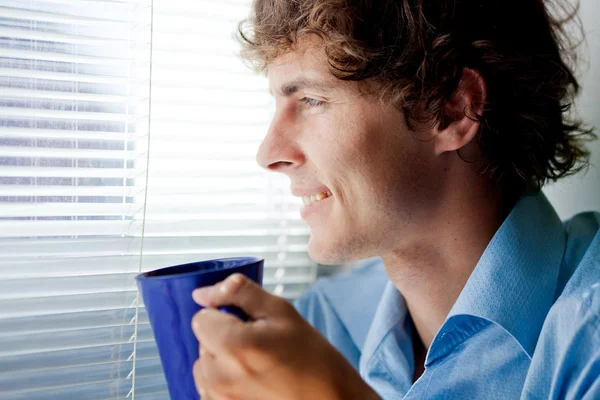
point(314, 198)
point(321, 196)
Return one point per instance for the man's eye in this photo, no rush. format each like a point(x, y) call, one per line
point(311, 102)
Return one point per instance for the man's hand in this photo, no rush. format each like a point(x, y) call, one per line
point(276, 355)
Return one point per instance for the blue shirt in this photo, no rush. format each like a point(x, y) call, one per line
point(526, 325)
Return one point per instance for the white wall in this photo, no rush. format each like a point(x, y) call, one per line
point(582, 192)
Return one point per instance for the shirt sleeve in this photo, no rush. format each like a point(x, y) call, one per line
point(566, 364)
point(315, 308)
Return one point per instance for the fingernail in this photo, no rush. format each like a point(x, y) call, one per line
point(223, 288)
point(231, 283)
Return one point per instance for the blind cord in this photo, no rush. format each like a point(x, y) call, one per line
point(137, 296)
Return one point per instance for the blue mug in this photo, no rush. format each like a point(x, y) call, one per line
point(167, 294)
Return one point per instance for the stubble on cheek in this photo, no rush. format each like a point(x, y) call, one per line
point(343, 163)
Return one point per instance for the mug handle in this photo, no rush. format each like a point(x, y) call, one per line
point(233, 310)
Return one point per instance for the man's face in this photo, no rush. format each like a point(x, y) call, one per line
point(329, 138)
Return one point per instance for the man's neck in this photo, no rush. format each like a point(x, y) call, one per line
point(434, 267)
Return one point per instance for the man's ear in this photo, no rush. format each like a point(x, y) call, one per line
point(459, 125)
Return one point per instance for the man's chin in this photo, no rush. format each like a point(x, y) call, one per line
point(324, 260)
point(319, 253)
point(327, 253)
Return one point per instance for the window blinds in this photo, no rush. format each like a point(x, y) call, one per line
point(127, 138)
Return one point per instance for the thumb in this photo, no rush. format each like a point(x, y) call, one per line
point(240, 291)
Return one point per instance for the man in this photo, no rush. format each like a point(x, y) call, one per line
point(419, 131)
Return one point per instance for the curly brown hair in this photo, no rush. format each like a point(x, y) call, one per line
point(414, 53)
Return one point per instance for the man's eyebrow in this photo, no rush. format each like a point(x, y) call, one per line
point(287, 89)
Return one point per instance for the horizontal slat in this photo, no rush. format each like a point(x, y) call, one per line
point(22, 13)
point(170, 97)
point(10, 228)
point(45, 172)
point(94, 391)
point(32, 133)
point(215, 213)
point(48, 152)
point(201, 193)
point(276, 256)
point(77, 357)
point(211, 217)
point(210, 150)
point(193, 203)
point(76, 375)
point(227, 11)
point(180, 25)
point(198, 43)
point(48, 190)
point(189, 62)
point(29, 34)
point(167, 78)
point(229, 154)
point(28, 288)
point(201, 131)
point(217, 202)
point(40, 172)
point(67, 286)
point(192, 248)
point(66, 96)
point(63, 76)
point(210, 3)
point(228, 187)
point(160, 395)
point(64, 57)
point(41, 342)
point(206, 114)
point(69, 322)
point(35, 209)
point(19, 112)
point(20, 308)
point(164, 115)
point(178, 133)
point(101, 2)
point(243, 181)
point(207, 165)
point(293, 267)
point(189, 227)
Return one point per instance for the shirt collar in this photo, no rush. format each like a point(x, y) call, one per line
point(387, 362)
point(391, 312)
point(514, 282)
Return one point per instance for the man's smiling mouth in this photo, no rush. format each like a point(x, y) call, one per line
point(316, 197)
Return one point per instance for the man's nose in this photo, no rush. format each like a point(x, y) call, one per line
point(279, 150)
